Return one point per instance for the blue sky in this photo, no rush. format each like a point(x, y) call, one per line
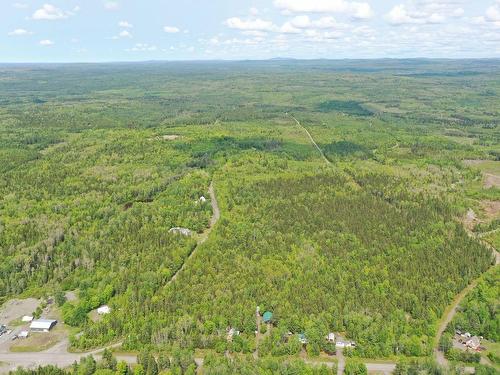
point(133, 30)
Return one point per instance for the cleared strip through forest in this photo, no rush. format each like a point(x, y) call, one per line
point(311, 139)
point(204, 236)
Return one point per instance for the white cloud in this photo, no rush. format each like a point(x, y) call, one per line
point(111, 5)
point(20, 5)
point(256, 24)
point(51, 13)
point(123, 34)
point(171, 29)
point(424, 12)
point(20, 32)
point(361, 10)
point(254, 11)
point(142, 47)
point(46, 42)
point(125, 24)
point(493, 13)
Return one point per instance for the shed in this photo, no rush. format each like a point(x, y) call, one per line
point(27, 318)
point(202, 199)
point(331, 337)
point(23, 334)
point(42, 325)
point(267, 317)
point(103, 310)
point(182, 231)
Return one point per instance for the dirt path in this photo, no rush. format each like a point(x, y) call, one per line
point(452, 309)
point(204, 236)
point(311, 139)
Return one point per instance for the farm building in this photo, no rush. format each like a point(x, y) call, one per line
point(42, 325)
point(474, 343)
point(103, 310)
point(267, 317)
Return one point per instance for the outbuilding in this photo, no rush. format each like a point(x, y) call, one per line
point(27, 319)
point(267, 317)
point(331, 337)
point(42, 325)
point(23, 334)
point(474, 343)
point(103, 310)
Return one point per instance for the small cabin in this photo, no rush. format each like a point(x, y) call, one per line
point(331, 337)
point(27, 319)
point(103, 310)
point(267, 317)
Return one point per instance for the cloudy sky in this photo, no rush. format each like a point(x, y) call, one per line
point(126, 30)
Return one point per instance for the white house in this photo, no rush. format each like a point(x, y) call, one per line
point(331, 337)
point(345, 344)
point(42, 325)
point(103, 310)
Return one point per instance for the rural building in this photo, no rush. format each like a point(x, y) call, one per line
point(182, 231)
point(27, 319)
point(103, 310)
point(267, 317)
point(330, 337)
point(345, 344)
point(302, 338)
point(202, 199)
point(23, 334)
point(42, 325)
point(474, 343)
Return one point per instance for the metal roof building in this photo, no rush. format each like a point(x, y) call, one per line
point(42, 325)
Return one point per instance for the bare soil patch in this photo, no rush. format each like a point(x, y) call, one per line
point(171, 137)
point(491, 209)
point(17, 308)
point(491, 180)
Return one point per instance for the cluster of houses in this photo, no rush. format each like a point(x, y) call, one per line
point(36, 325)
point(267, 318)
point(470, 342)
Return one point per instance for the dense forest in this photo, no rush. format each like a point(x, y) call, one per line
point(369, 244)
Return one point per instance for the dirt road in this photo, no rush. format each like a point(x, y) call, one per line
point(204, 236)
point(311, 139)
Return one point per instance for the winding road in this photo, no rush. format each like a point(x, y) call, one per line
point(58, 355)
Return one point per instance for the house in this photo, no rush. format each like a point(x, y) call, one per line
point(103, 310)
point(302, 338)
point(231, 333)
point(23, 334)
point(330, 337)
point(42, 325)
point(473, 343)
point(267, 317)
point(27, 319)
point(345, 344)
point(182, 231)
